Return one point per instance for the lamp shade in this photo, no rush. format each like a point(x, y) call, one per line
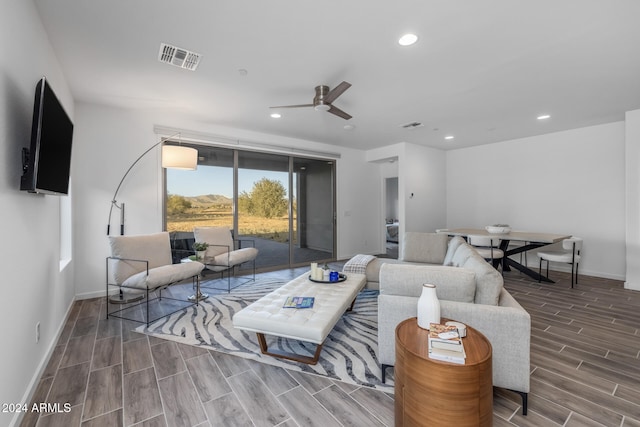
point(179, 157)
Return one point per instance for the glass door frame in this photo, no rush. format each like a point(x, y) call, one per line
point(292, 194)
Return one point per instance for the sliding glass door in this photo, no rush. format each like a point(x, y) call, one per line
point(313, 222)
point(263, 205)
point(285, 204)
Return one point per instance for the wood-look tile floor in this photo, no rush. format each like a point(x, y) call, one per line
point(585, 370)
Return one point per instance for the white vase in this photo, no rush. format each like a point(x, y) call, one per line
point(428, 306)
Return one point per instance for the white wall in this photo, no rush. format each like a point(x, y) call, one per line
point(423, 175)
point(110, 139)
point(421, 172)
point(632, 158)
point(34, 288)
point(566, 182)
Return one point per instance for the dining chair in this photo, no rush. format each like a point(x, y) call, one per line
point(487, 247)
point(570, 254)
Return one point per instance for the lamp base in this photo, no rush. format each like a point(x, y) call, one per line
point(122, 298)
point(198, 297)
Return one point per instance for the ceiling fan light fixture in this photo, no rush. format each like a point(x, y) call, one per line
point(322, 107)
point(407, 39)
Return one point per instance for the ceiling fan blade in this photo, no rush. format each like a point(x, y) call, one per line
point(293, 106)
point(338, 112)
point(336, 92)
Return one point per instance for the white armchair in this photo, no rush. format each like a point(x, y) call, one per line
point(141, 264)
point(222, 255)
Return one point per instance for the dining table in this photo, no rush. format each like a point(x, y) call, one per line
point(529, 240)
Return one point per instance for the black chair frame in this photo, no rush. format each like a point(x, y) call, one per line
point(572, 263)
point(147, 299)
point(231, 269)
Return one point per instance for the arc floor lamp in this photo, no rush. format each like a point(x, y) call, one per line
point(173, 157)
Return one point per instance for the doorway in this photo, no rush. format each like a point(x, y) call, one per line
point(391, 214)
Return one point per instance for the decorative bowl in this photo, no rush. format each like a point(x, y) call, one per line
point(498, 229)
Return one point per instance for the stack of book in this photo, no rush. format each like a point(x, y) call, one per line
point(299, 302)
point(445, 344)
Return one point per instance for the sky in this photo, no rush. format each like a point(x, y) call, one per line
point(217, 180)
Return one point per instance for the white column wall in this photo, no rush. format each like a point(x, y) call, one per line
point(421, 171)
point(632, 158)
point(566, 182)
point(423, 188)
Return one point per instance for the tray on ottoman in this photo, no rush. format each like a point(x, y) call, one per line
point(267, 315)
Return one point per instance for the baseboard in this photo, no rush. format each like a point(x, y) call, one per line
point(94, 294)
point(35, 380)
point(567, 269)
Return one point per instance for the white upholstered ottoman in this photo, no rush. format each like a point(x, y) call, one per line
point(267, 315)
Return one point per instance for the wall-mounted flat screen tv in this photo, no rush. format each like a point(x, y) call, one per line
point(46, 165)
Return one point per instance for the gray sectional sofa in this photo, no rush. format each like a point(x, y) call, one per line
point(470, 291)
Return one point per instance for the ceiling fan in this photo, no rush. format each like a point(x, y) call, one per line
point(324, 98)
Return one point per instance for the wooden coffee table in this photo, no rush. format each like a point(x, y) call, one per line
point(434, 393)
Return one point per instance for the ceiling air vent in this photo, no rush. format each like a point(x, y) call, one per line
point(412, 125)
point(179, 57)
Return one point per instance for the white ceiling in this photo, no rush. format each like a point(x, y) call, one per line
point(481, 70)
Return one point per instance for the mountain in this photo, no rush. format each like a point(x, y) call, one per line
point(208, 200)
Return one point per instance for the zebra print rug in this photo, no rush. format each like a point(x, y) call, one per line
point(349, 353)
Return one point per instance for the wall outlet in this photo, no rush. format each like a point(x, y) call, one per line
point(37, 332)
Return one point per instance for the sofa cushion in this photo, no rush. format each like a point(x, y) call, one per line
point(452, 284)
point(429, 248)
point(373, 268)
point(461, 255)
point(489, 282)
point(453, 245)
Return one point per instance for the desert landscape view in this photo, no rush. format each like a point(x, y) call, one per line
point(184, 213)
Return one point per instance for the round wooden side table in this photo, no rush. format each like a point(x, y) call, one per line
point(430, 392)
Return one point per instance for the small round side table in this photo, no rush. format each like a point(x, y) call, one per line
point(430, 392)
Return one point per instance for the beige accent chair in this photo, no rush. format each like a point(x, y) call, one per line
point(141, 264)
point(222, 255)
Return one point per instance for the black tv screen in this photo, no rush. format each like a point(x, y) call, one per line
point(47, 163)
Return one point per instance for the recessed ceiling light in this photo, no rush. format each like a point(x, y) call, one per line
point(408, 40)
point(544, 117)
point(276, 115)
point(448, 137)
point(348, 127)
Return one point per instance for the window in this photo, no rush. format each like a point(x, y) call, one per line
point(285, 204)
